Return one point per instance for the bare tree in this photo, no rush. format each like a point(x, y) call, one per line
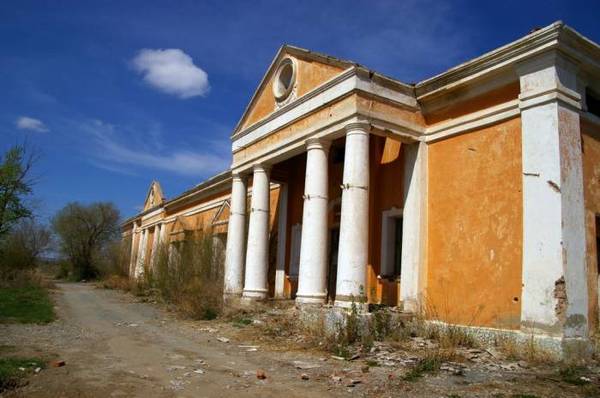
point(23, 247)
point(84, 233)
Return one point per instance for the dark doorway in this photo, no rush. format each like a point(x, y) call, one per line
point(334, 241)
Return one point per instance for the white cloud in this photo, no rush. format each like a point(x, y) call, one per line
point(29, 123)
point(115, 156)
point(172, 71)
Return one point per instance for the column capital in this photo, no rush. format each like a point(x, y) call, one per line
point(261, 168)
point(238, 176)
point(318, 143)
point(361, 127)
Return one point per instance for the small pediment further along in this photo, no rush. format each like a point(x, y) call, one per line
point(222, 215)
point(154, 197)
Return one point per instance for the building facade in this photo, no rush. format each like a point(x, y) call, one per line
point(472, 197)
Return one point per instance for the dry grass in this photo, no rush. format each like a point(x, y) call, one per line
point(188, 274)
point(117, 282)
point(529, 351)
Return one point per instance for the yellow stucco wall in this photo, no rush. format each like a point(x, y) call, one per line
point(474, 246)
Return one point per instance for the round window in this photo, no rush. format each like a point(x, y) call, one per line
point(284, 79)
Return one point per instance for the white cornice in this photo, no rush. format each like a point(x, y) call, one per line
point(352, 80)
point(536, 42)
point(217, 202)
point(153, 213)
point(473, 121)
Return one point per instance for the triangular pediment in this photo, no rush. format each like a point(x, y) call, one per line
point(181, 225)
point(310, 71)
point(154, 197)
point(222, 215)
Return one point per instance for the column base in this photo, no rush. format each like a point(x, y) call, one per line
point(303, 299)
point(348, 301)
point(249, 296)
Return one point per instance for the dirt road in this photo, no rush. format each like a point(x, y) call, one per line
point(116, 347)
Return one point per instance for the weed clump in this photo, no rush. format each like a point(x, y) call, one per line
point(14, 369)
point(187, 273)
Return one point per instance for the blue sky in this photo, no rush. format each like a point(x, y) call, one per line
point(114, 94)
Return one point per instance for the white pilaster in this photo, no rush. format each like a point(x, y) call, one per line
point(554, 299)
point(236, 236)
point(257, 253)
point(354, 222)
point(281, 240)
point(414, 224)
point(312, 276)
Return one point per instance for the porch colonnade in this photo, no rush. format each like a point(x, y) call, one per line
point(247, 258)
point(139, 259)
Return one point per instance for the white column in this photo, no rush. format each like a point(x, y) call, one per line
point(163, 234)
point(236, 236)
point(281, 241)
point(354, 222)
point(155, 243)
point(554, 298)
point(132, 257)
point(141, 257)
point(257, 252)
point(414, 223)
point(312, 275)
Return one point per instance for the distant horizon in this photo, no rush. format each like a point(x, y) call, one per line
point(114, 95)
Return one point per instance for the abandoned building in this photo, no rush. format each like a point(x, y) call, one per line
point(472, 197)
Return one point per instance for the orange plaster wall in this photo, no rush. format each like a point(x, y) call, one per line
point(591, 180)
point(295, 167)
point(312, 74)
point(386, 191)
point(475, 227)
point(460, 108)
point(309, 75)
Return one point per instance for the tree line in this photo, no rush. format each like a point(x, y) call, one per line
point(83, 238)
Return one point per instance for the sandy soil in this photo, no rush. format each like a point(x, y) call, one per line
point(116, 346)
